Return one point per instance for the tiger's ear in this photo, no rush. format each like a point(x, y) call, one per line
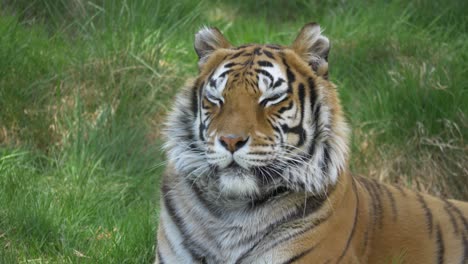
point(207, 40)
point(313, 47)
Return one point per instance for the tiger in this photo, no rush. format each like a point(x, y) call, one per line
point(257, 172)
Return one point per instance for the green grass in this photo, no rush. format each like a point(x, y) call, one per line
point(84, 86)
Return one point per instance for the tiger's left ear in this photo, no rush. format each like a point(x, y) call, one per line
point(207, 40)
point(313, 47)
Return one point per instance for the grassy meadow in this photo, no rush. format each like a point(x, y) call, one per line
point(84, 87)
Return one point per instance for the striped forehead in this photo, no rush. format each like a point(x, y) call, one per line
point(218, 80)
point(268, 75)
point(271, 78)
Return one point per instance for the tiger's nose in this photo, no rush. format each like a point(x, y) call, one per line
point(233, 142)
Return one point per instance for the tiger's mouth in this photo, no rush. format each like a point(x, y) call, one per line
point(234, 166)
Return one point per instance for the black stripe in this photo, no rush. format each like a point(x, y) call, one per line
point(313, 93)
point(185, 119)
point(260, 153)
point(207, 118)
point(266, 73)
point(273, 46)
point(275, 128)
point(459, 213)
point(300, 255)
point(377, 201)
point(265, 63)
point(278, 116)
point(376, 210)
point(198, 193)
point(315, 110)
point(451, 217)
point(325, 162)
point(229, 65)
point(201, 127)
point(188, 118)
point(257, 51)
point(427, 212)
point(299, 129)
point(267, 197)
point(312, 147)
point(235, 55)
point(263, 145)
point(278, 83)
point(179, 223)
point(301, 95)
point(391, 199)
point(440, 246)
point(201, 130)
point(244, 46)
point(268, 54)
point(212, 83)
point(194, 98)
point(291, 77)
point(206, 104)
point(224, 74)
point(258, 160)
point(353, 229)
point(286, 108)
point(311, 205)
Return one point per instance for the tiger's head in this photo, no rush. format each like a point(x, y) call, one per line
point(259, 118)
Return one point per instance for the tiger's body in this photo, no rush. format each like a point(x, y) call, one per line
point(257, 172)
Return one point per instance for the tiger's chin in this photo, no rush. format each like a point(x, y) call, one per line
point(237, 182)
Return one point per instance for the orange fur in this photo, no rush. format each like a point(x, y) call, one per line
point(360, 221)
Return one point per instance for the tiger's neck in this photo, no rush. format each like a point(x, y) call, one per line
point(303, 202)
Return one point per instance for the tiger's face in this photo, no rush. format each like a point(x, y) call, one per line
point(252, 120)
point(259, 118)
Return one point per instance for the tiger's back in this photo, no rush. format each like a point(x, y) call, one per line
point(258, 150)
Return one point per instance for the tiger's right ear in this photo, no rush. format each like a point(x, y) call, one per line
point(207, 40)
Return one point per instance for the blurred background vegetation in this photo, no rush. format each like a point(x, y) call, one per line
point(84, 86)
